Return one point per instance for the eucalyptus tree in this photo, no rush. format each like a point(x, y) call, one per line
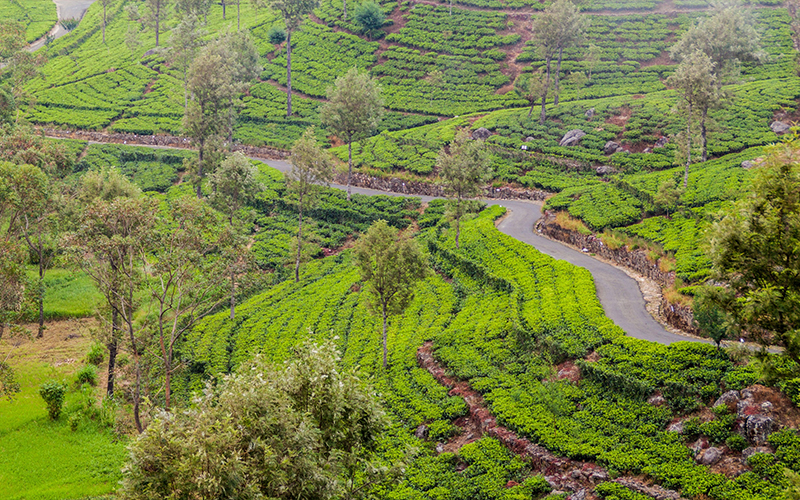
point(294, 12)
point(727, 38)
point(697, 85)
point(463, 168)
point(390, 263)
point(233, 185)
point(312, 167)
point(353, 111)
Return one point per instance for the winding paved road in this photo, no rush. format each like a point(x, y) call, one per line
point(618, 293)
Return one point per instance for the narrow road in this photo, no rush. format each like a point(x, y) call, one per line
point(67, 9)
point(618, 293)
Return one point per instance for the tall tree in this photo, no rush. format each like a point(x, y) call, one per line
point(463, 170)
point(298, 430)
point(34, 218)
point(726, 38)
point(294, 12)
point(753, 251)
point(696, 83)
point(233, 185)
point(13, 282)
point(592, 59)
point(531, 87)
point(353, 111)
point(545, 36)
point(185, 41)
point(312, 167)
point(570, 28)
point(390, 263)
point(185, 275)
point(220, 72)
point(105, 4)
point(108, 244)
point(158, 13)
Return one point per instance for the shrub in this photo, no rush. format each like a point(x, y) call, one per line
point(96, 355)
point(53, 394)
point(86, 375)
point(370, 17)
point(276, 35)
point(736, 442)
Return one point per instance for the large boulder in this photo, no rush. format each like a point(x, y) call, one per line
point(748, 164)
point(661, 142)
point(605, 170)
point(422, 432)
point(710, 456)
point(611, 147)
point(481, 134)
point(758, 428)
point(572, 138)
point(589, 113)
point(729, 399)
point(780, 127)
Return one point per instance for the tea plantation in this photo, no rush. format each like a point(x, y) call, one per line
point(505, 378)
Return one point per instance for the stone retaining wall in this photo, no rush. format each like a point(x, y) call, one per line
point(158, 140)
point(415, 188)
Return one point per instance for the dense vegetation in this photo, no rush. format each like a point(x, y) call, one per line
point(206, 285)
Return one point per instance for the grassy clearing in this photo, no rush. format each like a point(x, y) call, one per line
point(40, 459)
point(68, 294)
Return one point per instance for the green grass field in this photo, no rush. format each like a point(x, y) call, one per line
point(45, 460)
point(68, 294)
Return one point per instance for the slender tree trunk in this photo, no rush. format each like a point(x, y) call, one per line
point(2, 328)
point(223, 10)
point(349, 165)
point(112, 351)
point(344, 2)
point(230, 123)
point(104, 23)
point(289, 73)
point(168, 384)
point(299, 244)
point(530, 111)
point(233, 293)
point(200, 169)
point(238, 15)
point(703, 132)
point(558, 77)
point(137, 394)
point(40, 333)
point(158, 22)
point(543, 114)
point(688, 147)
point(383, 338)
point(451, 7)
point(458, 219)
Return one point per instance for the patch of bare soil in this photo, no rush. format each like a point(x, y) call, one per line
point(64, 342)
point(791, 115)
point(663, 59)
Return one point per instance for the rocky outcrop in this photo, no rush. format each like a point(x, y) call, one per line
point(611, 147)
point(572, 138)
point(605, 170)
point(589, 113)
point(416, 188)
point(758, 428)
point(661, 142)
point(653, 491)
point(481, 134)
point(780, 127)
point(710, 456)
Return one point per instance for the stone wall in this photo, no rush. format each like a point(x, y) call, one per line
point(170, 141)
point(680, 317)
point(415, 188)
